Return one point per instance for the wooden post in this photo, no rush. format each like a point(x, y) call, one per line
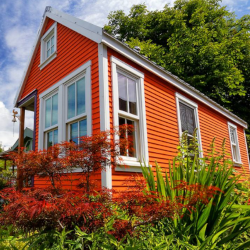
point(21, 145)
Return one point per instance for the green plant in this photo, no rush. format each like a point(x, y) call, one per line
point(212, 223)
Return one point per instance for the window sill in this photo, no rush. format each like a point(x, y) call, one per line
point(237, 164)
point(48, 60)
point(129, 166)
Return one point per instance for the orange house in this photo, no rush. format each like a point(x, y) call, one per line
point(80, 80)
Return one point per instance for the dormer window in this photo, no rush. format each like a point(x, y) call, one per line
point(48, 46)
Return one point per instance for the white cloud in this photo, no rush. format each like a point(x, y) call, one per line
point(19, 40)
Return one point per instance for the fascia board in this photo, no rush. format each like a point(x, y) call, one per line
point(191, 91)
point(79, 22)
point(77, 28)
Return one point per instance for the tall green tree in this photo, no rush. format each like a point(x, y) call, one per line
point(199, 41)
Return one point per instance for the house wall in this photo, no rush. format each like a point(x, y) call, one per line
point(162, 124)
point(73, 50)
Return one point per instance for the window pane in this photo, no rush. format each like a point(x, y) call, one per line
point(48, 53)
point(55, 137)
point(74, 132)
point(48, 113)
point(80, 96)
point(131, 140)
point(52, 49)
point(49, 139)
point(52, 41)
point(187, 118)
point(123, 150)
point(232, 135)
point(234, 153)
point(122, 89)
point(48, 45)
point(54, 109)
point(71, 101)
point(132, 96)
point(83, 127)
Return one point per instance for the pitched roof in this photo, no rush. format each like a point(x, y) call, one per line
point(98, 35)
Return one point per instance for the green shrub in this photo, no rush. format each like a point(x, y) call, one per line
point(215, 222)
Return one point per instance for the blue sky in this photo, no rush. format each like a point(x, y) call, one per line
point(19, 23)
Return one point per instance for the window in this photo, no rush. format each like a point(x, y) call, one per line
point(127, 113)
point(187, 114)
point(48, 46)
point(66, 109)
point(234, 143)
point(129, 108)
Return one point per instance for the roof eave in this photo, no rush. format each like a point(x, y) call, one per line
point(141, 60)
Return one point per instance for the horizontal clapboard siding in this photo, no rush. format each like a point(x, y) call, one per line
point(73, 50)
point(162, 124)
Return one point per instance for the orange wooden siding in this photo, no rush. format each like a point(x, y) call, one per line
point(73, 50)
point(162, 123)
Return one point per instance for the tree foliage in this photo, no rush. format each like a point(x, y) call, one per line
point(199, 41)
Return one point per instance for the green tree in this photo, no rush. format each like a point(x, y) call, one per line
point(199, 41)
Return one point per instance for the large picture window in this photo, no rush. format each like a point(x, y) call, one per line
point(66, 109)
point(129, 109)
point(235, 149)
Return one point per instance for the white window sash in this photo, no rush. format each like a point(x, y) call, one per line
point(139, 119)
point(194, 106)
point(234, 144)
point(44, 59)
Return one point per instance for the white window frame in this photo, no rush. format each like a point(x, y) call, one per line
point(60, 88)
point(44, 60)
point(194, 106)
point(236, 163)
point(141, 141)
point(87, 112)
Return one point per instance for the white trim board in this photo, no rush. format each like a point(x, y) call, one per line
point(106, 174)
